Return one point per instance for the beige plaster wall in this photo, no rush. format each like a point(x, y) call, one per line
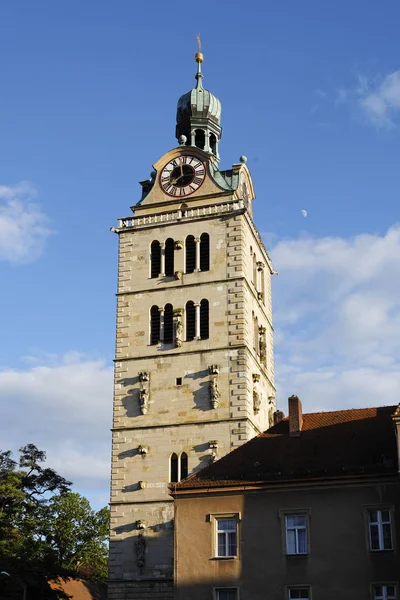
point(339, 564)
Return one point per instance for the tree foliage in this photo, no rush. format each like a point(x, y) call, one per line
point(46, 530)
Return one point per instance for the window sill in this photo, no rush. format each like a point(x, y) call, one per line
point(224, 558)
point(298, 555)
point(379, 551)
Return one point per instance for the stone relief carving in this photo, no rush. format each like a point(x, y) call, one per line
point(214, 391)
point(256, 394)
point(271, 410)
point(263, 345)
point(144, 392)
point(178, 327)
point(260, 265)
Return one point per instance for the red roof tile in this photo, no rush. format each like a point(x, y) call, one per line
point(338, 443)
point(79, 589)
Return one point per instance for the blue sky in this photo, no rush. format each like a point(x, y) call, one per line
point(310, 92)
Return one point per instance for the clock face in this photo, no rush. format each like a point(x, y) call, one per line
point(182, 176)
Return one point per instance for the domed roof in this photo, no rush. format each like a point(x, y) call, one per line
point(198, 102)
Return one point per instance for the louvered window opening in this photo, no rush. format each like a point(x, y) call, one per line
point(154, 325)
point(184, 465)
point(204, 316)
point(204, 252)
point(190, 254)
point(168, 324)
point(174, 468)
point(155, 259)
point(190, 321)
point(169, 257)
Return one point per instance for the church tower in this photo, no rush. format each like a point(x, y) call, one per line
point(194, 373)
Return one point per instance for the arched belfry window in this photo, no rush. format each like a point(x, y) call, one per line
point(173, 468)
point(213, 143)
point(190, 321)
point(154, 325)
point(168, 324)
point(190, 249)
point(204, 316)
point(169, 256)
point(155, 257)
point(199, 138)
point(204, 252)
point(184, 466)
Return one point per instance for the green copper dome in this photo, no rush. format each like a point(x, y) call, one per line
point(198, 103)
point(198, 116)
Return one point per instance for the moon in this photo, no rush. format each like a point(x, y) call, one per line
point(304, 213)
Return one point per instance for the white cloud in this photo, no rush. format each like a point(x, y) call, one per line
point(337, 320)
point(24, 228)
point(63, 406)
point(380, 101)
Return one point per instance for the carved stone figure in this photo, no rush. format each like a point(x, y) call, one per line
point(144, 392)
point(256, 401)
point(263, 350)
point(144, 400)
point(214, 393)
point(140, 548)
point(178, 333)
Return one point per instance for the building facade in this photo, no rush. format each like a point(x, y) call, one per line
point(309, 509)
point(194, 373)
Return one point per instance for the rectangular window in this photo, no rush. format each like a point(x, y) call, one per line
point(226, 594)
point(226, 537)
point(296, 535)
point(384, 592)
point(179, 381)
point(299, 592)
point(380, 529)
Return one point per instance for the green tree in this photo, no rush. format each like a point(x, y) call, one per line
point(77, 535)
point(47, 531)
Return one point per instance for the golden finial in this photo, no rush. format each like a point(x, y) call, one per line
point(199, 55)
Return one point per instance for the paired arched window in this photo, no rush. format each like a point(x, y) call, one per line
point(178, 467)
point(155, 257)
point(197, 323)
point(197, 255)
point(197, 258)
point(154, 325)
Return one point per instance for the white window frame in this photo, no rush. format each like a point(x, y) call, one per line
point(301, 512)
point(384, 595)
point(379, 523)
point(227, 588)
point(293, 588)
point(214, 518)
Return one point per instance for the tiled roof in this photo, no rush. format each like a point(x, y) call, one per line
point(331, 444)
point(79, 589)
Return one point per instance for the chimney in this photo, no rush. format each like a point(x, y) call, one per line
point(295, 415)
point(396, 421)
point(278, 416)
